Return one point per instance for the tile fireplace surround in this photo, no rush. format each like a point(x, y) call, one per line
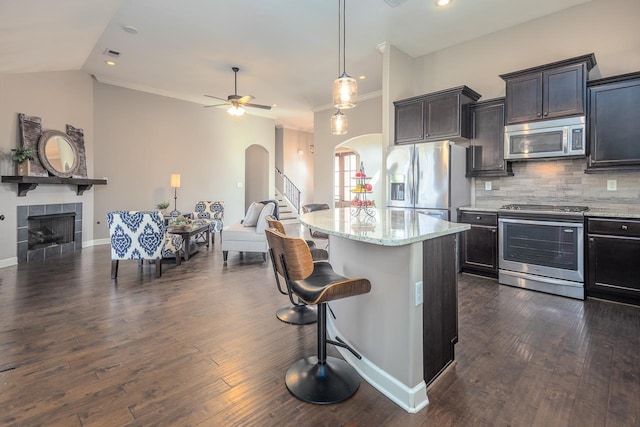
point(26, 255)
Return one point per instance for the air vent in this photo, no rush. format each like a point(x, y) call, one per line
point(394, 3)
point(112, 53)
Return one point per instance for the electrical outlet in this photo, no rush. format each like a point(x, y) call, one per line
point(612, 185)
point(419, 293)
point(240, 185)
point(487, 185)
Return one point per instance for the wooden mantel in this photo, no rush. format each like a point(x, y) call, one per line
point(28, 183)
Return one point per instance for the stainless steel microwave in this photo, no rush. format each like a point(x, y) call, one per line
point(545, 139)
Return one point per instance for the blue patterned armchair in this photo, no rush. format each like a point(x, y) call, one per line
point(211, 213)
point(141, 235)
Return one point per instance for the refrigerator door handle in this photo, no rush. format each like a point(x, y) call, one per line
point(412, 178)
point(416, 180)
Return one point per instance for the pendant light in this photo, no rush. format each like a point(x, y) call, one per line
point(339, 123)
point(345, 88)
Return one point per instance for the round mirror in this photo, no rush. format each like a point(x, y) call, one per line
point(58, 153)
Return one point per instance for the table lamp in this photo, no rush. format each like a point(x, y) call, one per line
point(175, 184)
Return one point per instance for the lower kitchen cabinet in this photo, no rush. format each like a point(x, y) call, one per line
point(479, 245)
point(613, 259)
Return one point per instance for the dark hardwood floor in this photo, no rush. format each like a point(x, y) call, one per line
point(202, 346)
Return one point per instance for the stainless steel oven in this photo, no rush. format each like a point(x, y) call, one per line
point(542, 248)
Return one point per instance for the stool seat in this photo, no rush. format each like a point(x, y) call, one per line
point(321, 379)
point(324, 284)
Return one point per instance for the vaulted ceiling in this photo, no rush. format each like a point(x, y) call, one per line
point(287, 50)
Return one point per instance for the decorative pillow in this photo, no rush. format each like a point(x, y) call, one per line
point(262, 222)
point(251, 218)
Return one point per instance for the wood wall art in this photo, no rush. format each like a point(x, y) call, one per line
point(30, 132)
point(77, 136)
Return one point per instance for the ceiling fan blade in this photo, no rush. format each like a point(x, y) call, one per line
point(215, 105)
point(264, 107)
point(215, 97)
point(245, 99)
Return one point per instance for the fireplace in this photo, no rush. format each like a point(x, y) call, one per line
point(48, 230)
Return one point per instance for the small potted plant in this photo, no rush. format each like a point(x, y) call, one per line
point(21, 157)
point(162, 206)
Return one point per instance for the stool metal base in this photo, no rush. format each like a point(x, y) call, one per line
point(331, 382)
point(297, 314)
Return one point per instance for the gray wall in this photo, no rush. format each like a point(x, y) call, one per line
point(143, 138)
point(58, 98)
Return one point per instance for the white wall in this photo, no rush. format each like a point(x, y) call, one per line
point(143, 138)
point(298, 161)
point(58, 98)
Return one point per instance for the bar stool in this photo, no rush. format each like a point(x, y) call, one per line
point(318, 379)
point(296, 313)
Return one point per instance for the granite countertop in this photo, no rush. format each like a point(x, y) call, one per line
point(630, 211)
point(387, 227)
point(617, 212)
point(493, 209)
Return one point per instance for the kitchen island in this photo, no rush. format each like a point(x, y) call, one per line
point(406, 327)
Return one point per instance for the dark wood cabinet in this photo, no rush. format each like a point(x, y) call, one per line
point(409, 122)
point(440, 307)
point(614, 124)
point(434, 117)
point(549, 91)
point(613, 252)
point(479, 246)
point(485, 154)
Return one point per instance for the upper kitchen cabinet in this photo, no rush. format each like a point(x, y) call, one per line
point(548, 91)
point(614, 115)
point(434, 117)
point(485, 154)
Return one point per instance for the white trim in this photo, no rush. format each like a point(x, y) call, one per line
point(96, 242)
point(411, 400)
point(8, 262)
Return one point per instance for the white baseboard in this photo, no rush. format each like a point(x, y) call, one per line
point(411, 400)
point(96, 242)
point(8, 262)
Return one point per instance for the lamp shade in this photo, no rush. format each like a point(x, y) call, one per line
point(175, 180)
point(345, 92)
point(339, 123)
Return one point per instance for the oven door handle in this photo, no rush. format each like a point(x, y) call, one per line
point(531, 222)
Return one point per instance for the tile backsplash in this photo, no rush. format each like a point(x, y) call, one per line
point(561, 182)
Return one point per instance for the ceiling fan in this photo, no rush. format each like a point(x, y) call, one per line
point(236, 101)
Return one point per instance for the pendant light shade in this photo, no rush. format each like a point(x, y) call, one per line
point(345, 88)
point(345, 92)
point(339, 123)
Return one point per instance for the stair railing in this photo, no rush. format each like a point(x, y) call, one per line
point(291, 192)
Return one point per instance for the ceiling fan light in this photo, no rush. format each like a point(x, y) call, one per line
point(236, 111)
point(345, 92)
point(339, 123)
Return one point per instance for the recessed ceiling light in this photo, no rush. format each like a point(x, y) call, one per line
point(362, 77)
point(110, 63)
point(274, 105)
point(129, 29)
point(443, 3)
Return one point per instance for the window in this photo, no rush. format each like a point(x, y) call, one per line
point(345, 168)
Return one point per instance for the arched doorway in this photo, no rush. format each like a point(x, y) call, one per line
point(365, 149)
point(256, 174)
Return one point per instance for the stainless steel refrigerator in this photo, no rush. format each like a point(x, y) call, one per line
point(428, 176)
